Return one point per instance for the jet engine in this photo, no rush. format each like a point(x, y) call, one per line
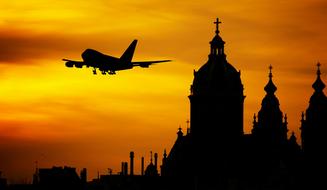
point(69, 64)
point(78, 65)
point(145, 65)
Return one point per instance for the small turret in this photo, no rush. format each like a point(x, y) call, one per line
point(180, 132)
point(318, 85)
point(270, 88)
point(151, 169)
point(271, 127)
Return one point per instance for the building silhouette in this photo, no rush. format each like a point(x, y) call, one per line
point(214, 153)
point(313, 133)
point(3, 182)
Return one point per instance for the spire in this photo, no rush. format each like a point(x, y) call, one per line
point(165, 154)
point(318, 85)
point(179, 133)
point(293, 138)
point(285, 119)
point(255, 124)
point(270, 88)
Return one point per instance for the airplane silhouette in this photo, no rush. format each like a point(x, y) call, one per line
point(109, 64)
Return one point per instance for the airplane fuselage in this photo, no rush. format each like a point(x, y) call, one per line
point(93, 58)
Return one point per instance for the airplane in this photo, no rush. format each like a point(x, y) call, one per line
point(109, 64)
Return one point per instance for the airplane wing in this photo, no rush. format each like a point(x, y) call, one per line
point(72, 63)
point(147, 63)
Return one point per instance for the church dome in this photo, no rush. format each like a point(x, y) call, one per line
point(270, 100)
point(217, 76)
point(318, 96)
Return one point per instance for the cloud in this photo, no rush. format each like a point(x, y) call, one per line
point(22, 47)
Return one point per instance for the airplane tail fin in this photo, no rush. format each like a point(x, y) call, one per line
point(128, 54)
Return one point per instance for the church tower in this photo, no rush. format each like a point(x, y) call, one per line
point(270, 128)
point(216, 99)
point(314, 124)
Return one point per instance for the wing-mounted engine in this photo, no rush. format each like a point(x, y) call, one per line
point(145, 65)
point(78, 64)
point(69, 64)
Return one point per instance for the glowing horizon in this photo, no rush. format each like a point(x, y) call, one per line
point(62, 116)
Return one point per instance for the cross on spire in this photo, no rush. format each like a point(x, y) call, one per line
point(217, 22)
point(318, 71)
point(270, 73)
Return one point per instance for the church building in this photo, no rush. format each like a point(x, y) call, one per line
point(215, 152)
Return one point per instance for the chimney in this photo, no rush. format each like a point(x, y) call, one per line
point(83, 176)
point(131, 155)
point(156, 160)
point(125, 168)
point(142, 165)
point(122, 168)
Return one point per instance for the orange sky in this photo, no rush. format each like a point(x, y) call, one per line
point(62, 116)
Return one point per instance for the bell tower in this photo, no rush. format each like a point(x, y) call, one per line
point(314, 124)
point(216, 99)
point(271, 129)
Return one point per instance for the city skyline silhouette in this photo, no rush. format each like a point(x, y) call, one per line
point(36, 120)
point(215, 153)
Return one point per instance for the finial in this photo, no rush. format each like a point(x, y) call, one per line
point(318, 85)
point(270, 88)
point(180, 133)
point(165, 153)
point(217, 22)
point(270, 73)
point(293, 138)
point(318, 70)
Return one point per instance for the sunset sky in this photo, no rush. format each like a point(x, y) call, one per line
point(66, 116)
